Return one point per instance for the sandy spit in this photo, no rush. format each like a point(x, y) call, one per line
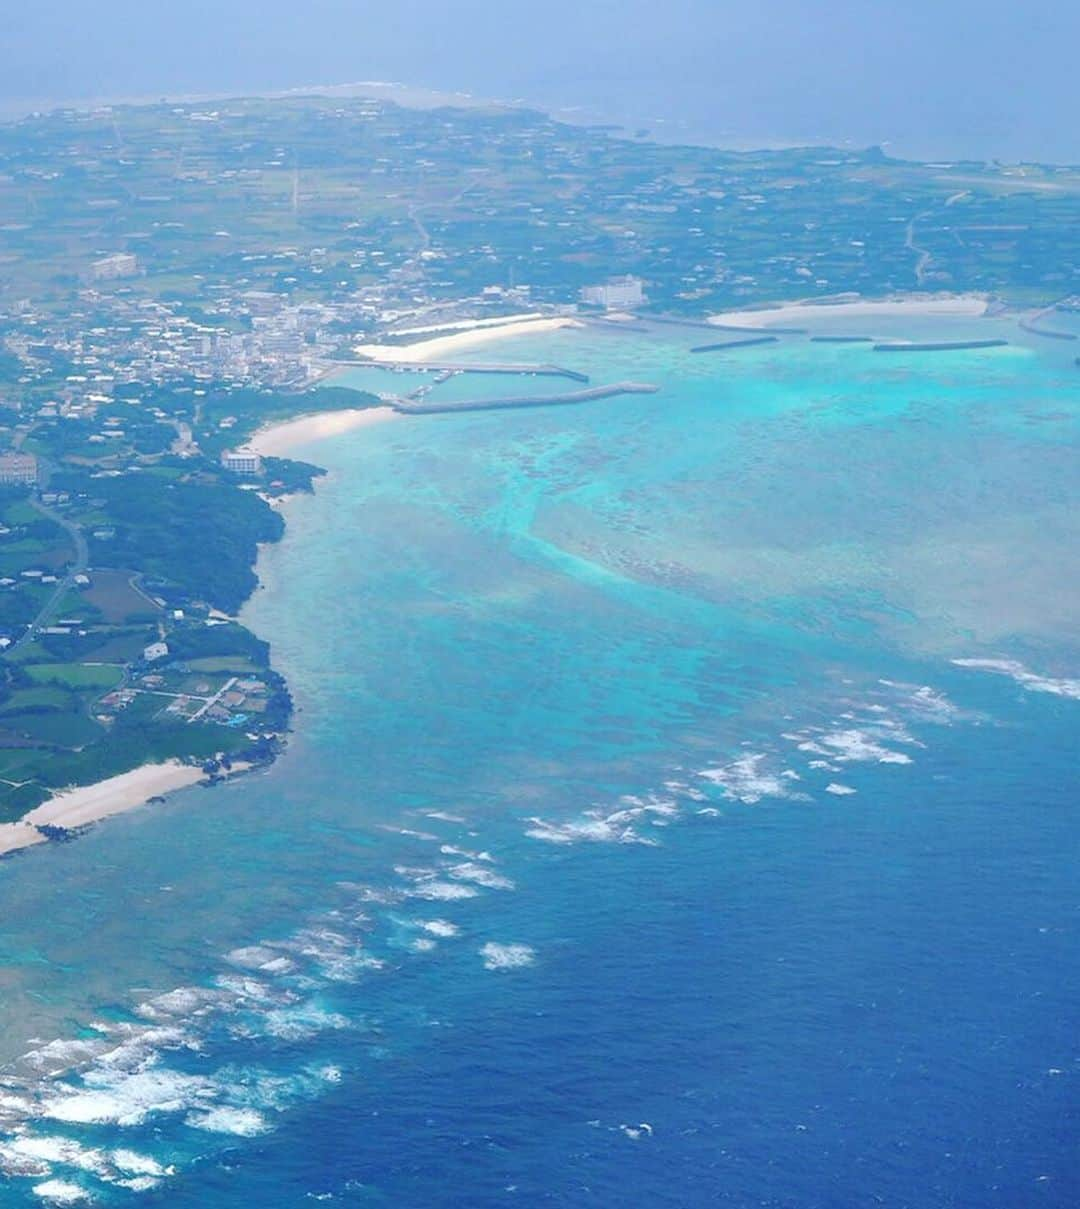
point(441, 347)
point(801, 312)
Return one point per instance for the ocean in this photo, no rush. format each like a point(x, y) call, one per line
point(681, 811)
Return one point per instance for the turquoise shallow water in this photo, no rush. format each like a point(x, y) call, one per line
point(641, 841)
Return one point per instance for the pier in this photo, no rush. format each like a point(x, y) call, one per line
point(779, 331)
point(937, 346)
point(728, 344)
point(507, 402)
point(842, 339)
point(1049, 333)
point(447, 367)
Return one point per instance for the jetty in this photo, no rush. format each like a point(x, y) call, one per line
point(417, 408)
point(471, 367)
point(779, 331)
point(842, 339)
point(728, 344)
point(1032, 326)
point(936, 346)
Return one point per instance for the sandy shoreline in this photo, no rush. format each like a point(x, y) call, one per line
point(445, 346)
point(955, 305)
point(87, 804)
point(277, 440)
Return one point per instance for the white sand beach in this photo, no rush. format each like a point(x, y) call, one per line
point(957, 305)
point(90, 803)
point(446, 346)
point(14, 836)
point(278, 440)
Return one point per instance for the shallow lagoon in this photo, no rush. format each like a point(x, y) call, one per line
point(633, 785)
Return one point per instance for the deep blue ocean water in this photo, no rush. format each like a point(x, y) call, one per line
point(641, 841)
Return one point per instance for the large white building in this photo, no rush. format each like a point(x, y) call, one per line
point(18, 468)
point(120, 264)
point(617, 293)
point(242, 461)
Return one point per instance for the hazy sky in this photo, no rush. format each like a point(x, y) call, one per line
point(940, 77)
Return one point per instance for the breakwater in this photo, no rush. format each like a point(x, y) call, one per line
point(416, 408)
point(937, 346)
point(779, 331)
point(1049, 333)
point(842, 339)
point(473, 367)
point(727, 344)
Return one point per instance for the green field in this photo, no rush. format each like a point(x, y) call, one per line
point(43, 696)
point(111, 593)
point(76, 675)
point(66, 729)
point(238, 665)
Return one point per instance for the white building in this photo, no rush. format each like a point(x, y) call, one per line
point(615, 294)
point(18, 468)
point(156, 650)
point(242, 461)
point(120, 264)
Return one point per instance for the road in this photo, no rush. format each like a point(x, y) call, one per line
point(925, 257)
point(78, 567)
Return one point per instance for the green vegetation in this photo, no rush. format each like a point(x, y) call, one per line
point(76, 675)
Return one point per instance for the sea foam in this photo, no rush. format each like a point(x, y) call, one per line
point(507, 956)
point(1031, 681)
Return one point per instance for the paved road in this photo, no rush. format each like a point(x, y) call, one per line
point(82, 557)
point(925, 257)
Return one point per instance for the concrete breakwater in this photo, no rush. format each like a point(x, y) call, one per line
point(417, 408)
point(472, 367)
point(1032, 326)
point(779, 331)
point(842, 339)
point(937, 346)
point(726, 344)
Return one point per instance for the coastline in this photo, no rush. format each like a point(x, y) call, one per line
point(441, 346)
point(279, 439)
point(79, 807)
point(951, 306)
point(74, 808)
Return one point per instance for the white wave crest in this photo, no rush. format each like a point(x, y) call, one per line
point(442, 891)
point(60, 1192)
point(241, 1122)
point(125, 1099)
point(1031, 681)
point(469, 871)
point(744, 781)
point(507, 956)
point(845, 746)
point(438, 927)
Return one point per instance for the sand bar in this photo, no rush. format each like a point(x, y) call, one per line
point(958, 305)
point(278, 440)
point(444, 346)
